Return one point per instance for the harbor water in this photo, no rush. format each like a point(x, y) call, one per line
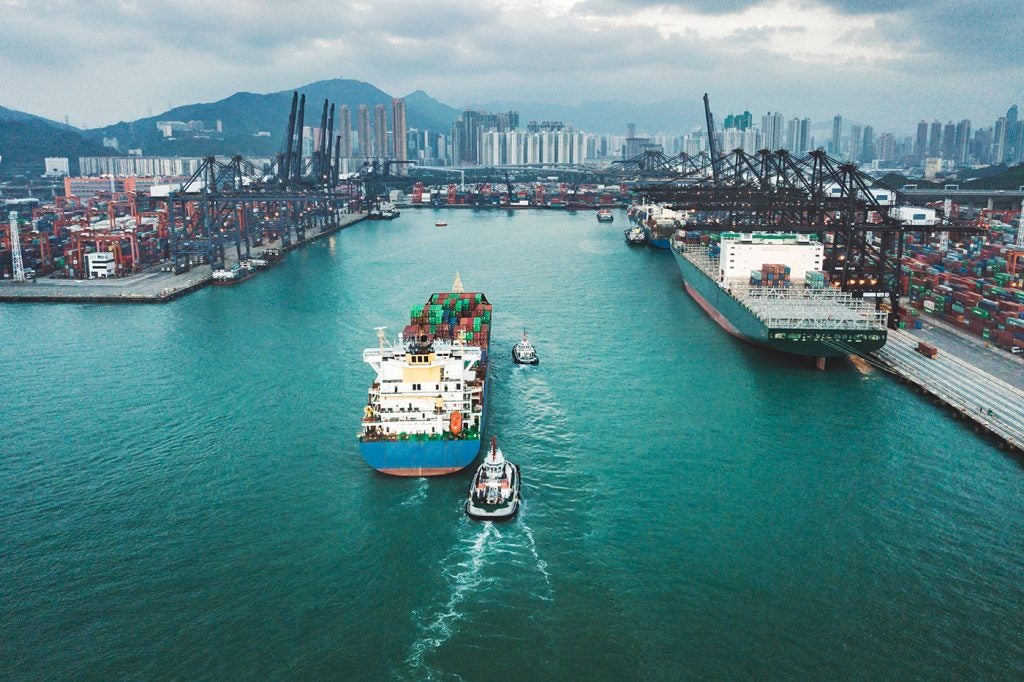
point(182, 495)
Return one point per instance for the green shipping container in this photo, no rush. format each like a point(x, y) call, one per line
point(981, 312)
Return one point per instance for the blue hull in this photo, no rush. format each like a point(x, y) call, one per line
point(424, 457)
point(656, 238)
point(420, 458)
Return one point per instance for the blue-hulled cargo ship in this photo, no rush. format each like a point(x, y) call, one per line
point(658, 222)
point(428, 404)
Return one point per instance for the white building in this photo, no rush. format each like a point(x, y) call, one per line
point(56, 166)
point(100, 265)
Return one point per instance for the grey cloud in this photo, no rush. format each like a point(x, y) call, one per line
point(712, 7)
point(469, 50)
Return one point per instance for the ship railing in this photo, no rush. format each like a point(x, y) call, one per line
point(803, 308)
point(698, 255)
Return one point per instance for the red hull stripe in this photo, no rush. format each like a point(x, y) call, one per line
point(715, 315)
point(421, 471)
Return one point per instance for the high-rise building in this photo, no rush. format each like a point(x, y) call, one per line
point(999, 140)
point(837, 135)
point(798, 131)
point(963, 141)
point(399, 125)
point(738, 121)
point(886, 147)
point(867, 150)
point(1013, 141)
point(949, 141)
point(981, 148)
point(935, 139)
point(772, 127)
point(363, 123)
point(380, 132)
point(921, 142)
point(344, 132)
point(630, 130)
point(856, 143)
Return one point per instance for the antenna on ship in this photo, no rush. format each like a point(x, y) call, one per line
point(381, 336)
point(457, 285)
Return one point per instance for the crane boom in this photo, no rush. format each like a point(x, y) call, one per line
point(712, 142)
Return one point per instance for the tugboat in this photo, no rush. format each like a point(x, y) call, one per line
point(494, 493)
point(635, 236)
point(523, 353)
point(605, 215)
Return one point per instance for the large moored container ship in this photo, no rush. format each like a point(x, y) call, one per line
point(769, 289)
point(427, 405)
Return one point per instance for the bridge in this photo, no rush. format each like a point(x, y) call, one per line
point(992, 199)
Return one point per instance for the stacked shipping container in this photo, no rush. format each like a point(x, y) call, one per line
point(968, 287)
point(452, 316)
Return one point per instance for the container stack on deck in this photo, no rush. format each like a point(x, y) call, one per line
point(968, 287)
point(770, 275)
point(452, 316)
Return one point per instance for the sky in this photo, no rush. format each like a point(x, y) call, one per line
point(888, 63)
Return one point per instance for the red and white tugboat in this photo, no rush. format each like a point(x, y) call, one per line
point(494, 493)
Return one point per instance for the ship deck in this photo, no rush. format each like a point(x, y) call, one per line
point(791, 307)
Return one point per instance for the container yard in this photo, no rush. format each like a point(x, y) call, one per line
point(105, 249)
point(975, 285)
point(517, 196)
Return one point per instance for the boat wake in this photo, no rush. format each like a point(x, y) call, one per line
point(472, 569)
point(419, 495)
point(542, 566)
point(463, 574)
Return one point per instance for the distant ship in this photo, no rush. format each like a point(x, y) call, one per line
point(769, 289)
point(385, 211)
point(658, 222)
point(427, 405)
point(605, 215)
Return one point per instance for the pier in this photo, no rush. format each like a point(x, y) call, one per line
point(153, 285)
point(992, 404)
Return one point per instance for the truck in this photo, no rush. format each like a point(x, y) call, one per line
point(927, 349)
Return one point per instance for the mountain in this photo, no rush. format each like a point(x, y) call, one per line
point(244, 114)
point(25, 139)
point(433, 115)
point(673, 116)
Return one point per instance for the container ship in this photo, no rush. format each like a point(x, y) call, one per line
point(769, 289)
point(658, 222)
point(427, 405)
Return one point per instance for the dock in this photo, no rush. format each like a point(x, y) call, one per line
point(150, 286)
point(993, 405)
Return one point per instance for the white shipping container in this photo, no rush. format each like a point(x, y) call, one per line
point(914, 215)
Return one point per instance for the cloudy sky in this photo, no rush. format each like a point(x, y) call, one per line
point(886, 62)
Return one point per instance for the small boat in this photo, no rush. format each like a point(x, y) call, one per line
point(494, 493)
point(523, 353)
point(635, 236)
point(440, 223)
point(605, 215)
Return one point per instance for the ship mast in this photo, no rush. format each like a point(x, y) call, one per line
point(457, 285)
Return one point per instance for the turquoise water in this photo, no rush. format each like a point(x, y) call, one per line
point(181, 494)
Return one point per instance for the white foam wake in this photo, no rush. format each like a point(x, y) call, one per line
point(464, 576)
point(421, 493)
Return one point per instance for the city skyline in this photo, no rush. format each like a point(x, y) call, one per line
point(887, 67)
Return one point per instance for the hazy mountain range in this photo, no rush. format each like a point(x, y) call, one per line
point(25, 139)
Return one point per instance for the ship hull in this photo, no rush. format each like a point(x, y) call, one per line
point(733, 317)
point(420, 458)
point(656, 239)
